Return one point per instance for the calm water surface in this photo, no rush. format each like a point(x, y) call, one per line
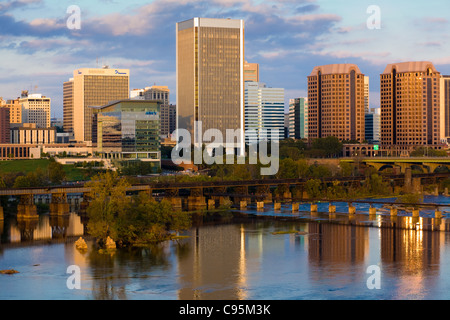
point(327, 259)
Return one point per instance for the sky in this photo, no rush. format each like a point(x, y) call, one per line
point(288, 38)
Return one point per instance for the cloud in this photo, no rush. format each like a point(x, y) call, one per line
point(11, 5)
point(307, 8)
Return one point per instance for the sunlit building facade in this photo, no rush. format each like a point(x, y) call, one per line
point(68, 106)
point(410, 106)
point(445, 109)
point(36, 109)
point(336, 102)
point(210, 78)
point(251, 72)
point(94, 88)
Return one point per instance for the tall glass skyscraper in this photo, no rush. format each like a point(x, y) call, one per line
point(210, 78)
point(264, 112)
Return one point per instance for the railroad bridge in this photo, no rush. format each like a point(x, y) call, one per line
point(209, 194)
point(423, 164)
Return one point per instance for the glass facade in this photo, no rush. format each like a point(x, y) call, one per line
point(298, 118)
point(68, 106)
point(127, 129)
point(264, 112)
point(210, 83)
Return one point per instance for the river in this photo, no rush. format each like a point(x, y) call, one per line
point(262, 255)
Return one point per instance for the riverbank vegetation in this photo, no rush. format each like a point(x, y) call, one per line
point(42, 172)
point(130, 221)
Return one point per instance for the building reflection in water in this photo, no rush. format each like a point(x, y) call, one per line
point(411, 254)
point(44, 228)
point(215, 269)
point(222, 261)
point(335, 250)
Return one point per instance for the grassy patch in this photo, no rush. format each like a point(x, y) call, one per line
point(24, 166)
point(74, 174)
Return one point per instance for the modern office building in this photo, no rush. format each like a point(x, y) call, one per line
point(210, 78)
point(94, 88)
point(15, 111)
point(4, 124)
point(366, 94)
point(137, 94)
point(128, 130)
point(68, 106)
point(160, 93)
point(29, 133)
point(298, 118)
point(336, 102)
point(373, 125)
point(168, 112)
point(445, 110)
point(251, 72)
point(168, 120)
point(36, 109)
point(264, 113)
point(410, 106)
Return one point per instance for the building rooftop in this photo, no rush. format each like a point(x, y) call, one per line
point(412, 66)
point(335, 69)
point(111, 103)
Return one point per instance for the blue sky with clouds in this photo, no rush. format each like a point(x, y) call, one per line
point(286, 37)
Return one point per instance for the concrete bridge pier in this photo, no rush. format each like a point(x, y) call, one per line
point(277, 206)
point(84, 204)
point(331, 208)
point(416, 185)
point(196, 203)
point(26, 209)
point(2, 216)
point(260, 205)
point(351, 209)
point(314, 208)
point(211, 204)
point(243, 205)
point(393, 212)
point(438, 214)
point(295, 207)
point(415, 213)
point(372, 211)
point(59, 204)
point(174, 199)
point(176, 202)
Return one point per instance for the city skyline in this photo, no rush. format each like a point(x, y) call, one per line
point(286, 38)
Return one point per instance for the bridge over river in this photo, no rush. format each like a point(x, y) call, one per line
point(209, 194)
point(423, 164)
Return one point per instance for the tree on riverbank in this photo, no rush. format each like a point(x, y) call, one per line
point(129, 220)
